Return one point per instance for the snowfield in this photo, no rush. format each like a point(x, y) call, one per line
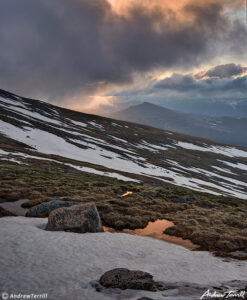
point(48, 143)
point(63, 264)
point(50, 130)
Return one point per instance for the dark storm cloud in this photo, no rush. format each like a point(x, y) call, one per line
point(179, 82)
point(58, 48)
point(224, 71)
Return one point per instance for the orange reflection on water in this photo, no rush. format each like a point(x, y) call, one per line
point(155, 230)
point(126, 194)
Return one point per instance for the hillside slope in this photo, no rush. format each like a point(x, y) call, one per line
point(35, 130)
point(222, 129)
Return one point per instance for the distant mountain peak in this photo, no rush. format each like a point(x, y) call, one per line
point(148, 104)
point(151, 105)
point(223, 129)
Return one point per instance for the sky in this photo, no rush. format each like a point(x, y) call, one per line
point(100, 56)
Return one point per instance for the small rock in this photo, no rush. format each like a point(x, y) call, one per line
point(125, 279)
point(44, 209)
point(80, 218)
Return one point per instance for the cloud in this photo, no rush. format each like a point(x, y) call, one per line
point(219, 79)
point(64, 49)
point(223, 71)
point(191, 93)
point(178, 82)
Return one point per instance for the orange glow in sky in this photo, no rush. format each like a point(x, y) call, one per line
point(122, 6)
point(94, 104)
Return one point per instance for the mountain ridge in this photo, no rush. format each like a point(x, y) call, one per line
point(127, 151)
point(222, 129)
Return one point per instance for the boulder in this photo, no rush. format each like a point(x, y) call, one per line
point(77, 218)
point(44, 209)
point(125, 279)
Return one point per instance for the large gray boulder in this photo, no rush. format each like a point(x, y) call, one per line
point(78, 218)
point(44, 209)
point(126, 279)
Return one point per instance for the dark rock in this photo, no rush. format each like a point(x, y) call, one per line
point(144, 298)
point(44, 209)
point(78, 218)
point(125, 279)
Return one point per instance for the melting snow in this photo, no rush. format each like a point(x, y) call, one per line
point(227, 151)
point(80, 168)
point(102, 173)
point(80, 124)
point(118, 139)
point(115, 124)
point(34, 115)
point(154, 146)
point(223, 170)
point(70, 261)
point(13, 102)
point(236, 165)
point(48, 143)
point(96, 125)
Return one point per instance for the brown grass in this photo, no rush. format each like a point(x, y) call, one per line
point(215, 223)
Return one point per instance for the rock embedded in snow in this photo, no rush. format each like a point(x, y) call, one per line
point(44, 209)
point(78, 218)
point(125, 279)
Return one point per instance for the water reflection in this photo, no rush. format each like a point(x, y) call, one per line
point(155, 230)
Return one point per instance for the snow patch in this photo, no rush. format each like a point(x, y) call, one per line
point(96, 125)
point(227, 151)
point(70, 261)
point(224, 170)
point(236, 165)
point(13, 102)
point(80, 124)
